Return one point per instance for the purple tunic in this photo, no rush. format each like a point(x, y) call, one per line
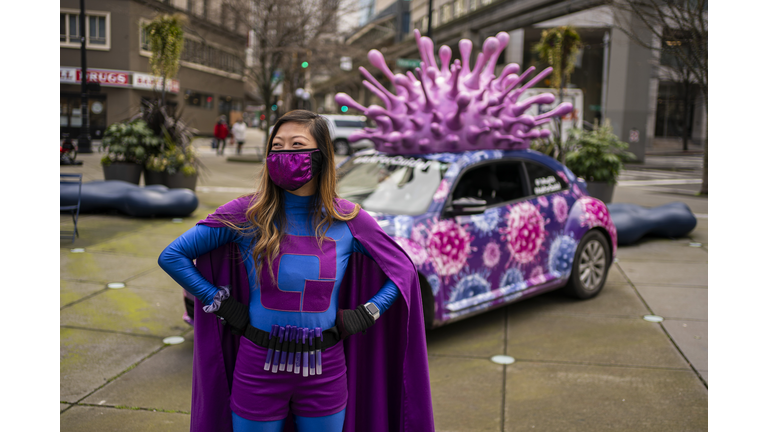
point(389, 361)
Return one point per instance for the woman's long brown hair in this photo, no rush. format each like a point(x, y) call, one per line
point(266, 213)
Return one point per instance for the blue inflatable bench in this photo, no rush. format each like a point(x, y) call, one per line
point(130, 199)
point(633, 222)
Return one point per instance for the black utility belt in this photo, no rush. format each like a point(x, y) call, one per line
point(293, 349)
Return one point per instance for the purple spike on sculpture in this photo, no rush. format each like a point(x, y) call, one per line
point(450, 107)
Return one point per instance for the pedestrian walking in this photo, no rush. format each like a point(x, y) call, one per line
point(220, 133)
point(238, 131)
point(290, 285)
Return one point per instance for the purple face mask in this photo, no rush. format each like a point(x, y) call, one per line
point(292, 169)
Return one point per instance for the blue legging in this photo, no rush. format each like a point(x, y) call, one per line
point(331, 423)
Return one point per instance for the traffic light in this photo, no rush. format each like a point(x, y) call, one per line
point(274, 107)
point(344, 108)
point(305, 65)
point(263, 117)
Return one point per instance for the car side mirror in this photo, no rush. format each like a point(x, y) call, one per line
point(466, 206)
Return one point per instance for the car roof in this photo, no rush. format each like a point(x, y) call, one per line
point(455, 157)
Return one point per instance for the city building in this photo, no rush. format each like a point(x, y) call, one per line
point(210, 81)
point(628, 84)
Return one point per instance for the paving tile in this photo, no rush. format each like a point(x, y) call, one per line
point(589, 339)
point(139, 311)
point(692, 337)
point(62, 407)
point(676, 302)
point(648, 249)
point(701, 232)
point(481, 335)
point(99, 419)
point(140, 244)
point(70, 291)
point(615, 275)
point(705, 375)
point(97, 228)
point(475, 389)
point(163, 381)
point(573, 398)
point(614, 299)
point(102, 267)
point(666, 273)
point(89, 358)
point(156, 279)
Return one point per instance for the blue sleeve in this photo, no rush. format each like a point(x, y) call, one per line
point(177, 258)
point(388, 293)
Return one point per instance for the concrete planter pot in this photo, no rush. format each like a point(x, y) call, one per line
point(601, 190)
point(125, 171)
point(179, 180)
point(153, 177)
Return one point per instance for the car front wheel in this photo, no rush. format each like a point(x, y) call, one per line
point(590, 266)
point(341, 147)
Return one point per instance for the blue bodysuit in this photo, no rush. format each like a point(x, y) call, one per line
point(308, 275)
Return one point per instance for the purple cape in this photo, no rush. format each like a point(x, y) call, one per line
point(389, 362)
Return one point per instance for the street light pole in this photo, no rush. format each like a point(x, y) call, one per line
point(429, 20)
point(84, 140)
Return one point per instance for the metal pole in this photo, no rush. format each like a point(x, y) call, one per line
point(84, 140)
point(604, 89)
point(429, 20)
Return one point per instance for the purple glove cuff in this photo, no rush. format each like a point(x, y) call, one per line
point(220, 296)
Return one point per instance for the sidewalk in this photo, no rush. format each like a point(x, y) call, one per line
point(580, 365)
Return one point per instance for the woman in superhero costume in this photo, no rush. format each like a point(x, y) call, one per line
point(282, 277)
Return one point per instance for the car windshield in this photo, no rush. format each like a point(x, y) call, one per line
point(396, 185)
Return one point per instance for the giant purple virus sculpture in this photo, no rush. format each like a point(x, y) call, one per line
point(451, 107)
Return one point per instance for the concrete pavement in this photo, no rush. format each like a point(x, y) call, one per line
point(579, 365)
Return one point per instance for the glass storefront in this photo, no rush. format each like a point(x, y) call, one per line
point(71, 118)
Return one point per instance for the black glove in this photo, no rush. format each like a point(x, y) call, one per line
point(235, 314)
point(351, 321)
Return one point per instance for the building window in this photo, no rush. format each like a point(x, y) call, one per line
point(458, 8)
point(472, 5)
point(486, 2)
point(206, 55)
point(96, 27)
point(445, 13)
point(97, 30)
point(196, 99)
point(198, 53)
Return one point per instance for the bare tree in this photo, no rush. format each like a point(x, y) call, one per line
point(283, 35)
point(679, 29)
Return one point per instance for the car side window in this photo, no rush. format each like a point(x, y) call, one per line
point(494, 183)
point(544, 180)
point(349, 124)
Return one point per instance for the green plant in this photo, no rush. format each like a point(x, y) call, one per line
point(130, 141)
point(597, 155)
point(558, 48)
point(165, 35)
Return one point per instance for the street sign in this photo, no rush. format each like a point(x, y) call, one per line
point(408, 63)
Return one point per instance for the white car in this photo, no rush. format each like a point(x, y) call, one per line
point(341, 126)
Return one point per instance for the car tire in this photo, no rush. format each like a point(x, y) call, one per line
point(341, 147)
point(427, 302)
point(590, 266)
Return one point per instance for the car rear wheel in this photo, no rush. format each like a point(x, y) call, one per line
point(590, 266)
point(341, 147)
point(427, 302)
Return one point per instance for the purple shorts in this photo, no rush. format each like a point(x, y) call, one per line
point(261, 395)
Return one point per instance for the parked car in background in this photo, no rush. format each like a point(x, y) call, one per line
point(341, 127)
point(485, 228)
